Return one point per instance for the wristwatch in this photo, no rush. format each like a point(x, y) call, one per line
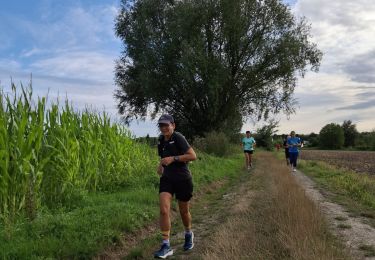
point(176, 158)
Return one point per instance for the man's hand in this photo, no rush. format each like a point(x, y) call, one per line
point(160, 169)
point(167, 161)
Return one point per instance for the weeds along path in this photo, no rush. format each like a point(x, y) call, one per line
point(269, 217)
point(358, 237)
point(264, 214)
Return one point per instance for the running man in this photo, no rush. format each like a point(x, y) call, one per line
point(293, 143)
point(248, 144)
point(285, 145)
point(175, 153)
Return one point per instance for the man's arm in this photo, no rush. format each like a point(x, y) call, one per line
point(187, 157)
point(185, 148)
point(160, 169)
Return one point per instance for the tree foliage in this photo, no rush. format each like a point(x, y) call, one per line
point(350, 133)
point(331, 136)
point(210, 63)
point(264, 134)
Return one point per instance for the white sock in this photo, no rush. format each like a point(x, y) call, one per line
point(166, 241)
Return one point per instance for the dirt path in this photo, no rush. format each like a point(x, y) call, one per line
point(220, 220)
point(209, 212)
point(263, 214)
point(351, 230)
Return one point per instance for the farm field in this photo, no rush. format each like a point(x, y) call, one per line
point(358, 161)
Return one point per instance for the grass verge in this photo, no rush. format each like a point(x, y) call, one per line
point(354, 191)
point(99, 219)
point(207, 201)
point(276, 221)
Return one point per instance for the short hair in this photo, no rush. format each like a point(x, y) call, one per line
point(247, 132)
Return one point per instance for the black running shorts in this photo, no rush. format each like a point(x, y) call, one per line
point(249, 151)
point(182, 188)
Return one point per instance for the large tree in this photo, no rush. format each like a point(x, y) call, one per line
point(350, 133)
point(264, 134)
point(210, 63)
point(331, 136)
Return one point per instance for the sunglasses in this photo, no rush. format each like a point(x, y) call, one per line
point(163, 125)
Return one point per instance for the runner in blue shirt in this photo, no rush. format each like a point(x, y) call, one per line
point(293, 143)
point(248, 144)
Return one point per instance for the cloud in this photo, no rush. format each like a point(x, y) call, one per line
point(70, 52)
point(366, 95)
point(365, 87)
point(88, 65)
point(70, 48)
point(359, 106)
point(314, 99)
point(345, 85)
point(9, 65)
point(342, 28)
point(290, 2)
point(361, 68)
point(77, 28)
point(28, 53)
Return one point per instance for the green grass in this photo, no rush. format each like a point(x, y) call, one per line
point(358, 187)
point(100, 218)
point(344, 226)
point(51, 155)
point(83, 231)
point(228, 171)
point(368, 250)
point(354, 191)
point(341, 218)
point(73, 181)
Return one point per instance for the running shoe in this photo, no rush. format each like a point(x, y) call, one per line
point(189, 241)
point(164, 251)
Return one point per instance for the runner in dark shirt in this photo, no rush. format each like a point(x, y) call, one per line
point(175, 152)
point(285, 145)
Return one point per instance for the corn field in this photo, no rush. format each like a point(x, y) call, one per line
point(50, 155)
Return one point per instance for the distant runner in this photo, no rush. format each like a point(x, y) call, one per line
point(285, 145)
point(293, 144)
point(175, 152)
point(248, 144)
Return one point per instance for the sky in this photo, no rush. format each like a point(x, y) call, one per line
point(70, 49)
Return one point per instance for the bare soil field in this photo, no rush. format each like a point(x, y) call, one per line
point(358, 161)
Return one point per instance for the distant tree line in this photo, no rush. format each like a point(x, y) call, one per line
point(344, 136)
point(331, 136)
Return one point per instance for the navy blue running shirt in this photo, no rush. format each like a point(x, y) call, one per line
point(177, 145)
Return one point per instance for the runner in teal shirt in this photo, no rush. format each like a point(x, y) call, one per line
point(248, 144)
